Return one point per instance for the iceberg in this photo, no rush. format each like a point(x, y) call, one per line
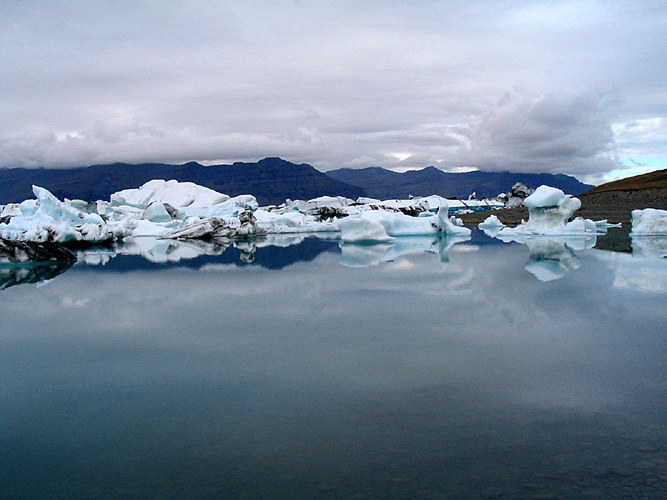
point(491, 225)
point(381, 225)
point(649, 221)
point(549, 210)
point(177, 194)
point(48, 219)
point(362, 229)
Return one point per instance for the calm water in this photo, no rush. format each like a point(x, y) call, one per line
point(451, 369)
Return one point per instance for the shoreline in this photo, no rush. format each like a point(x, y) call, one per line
point(615, 206)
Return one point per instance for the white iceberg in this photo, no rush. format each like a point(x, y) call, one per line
point(548, 212)
point(382, 225)
point(48, 219)
point(177, 194)
point(491, 225)
point(649, 221)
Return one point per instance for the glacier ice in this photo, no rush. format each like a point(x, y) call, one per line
point(649, 221)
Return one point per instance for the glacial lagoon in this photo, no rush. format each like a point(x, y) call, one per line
point(304, 368)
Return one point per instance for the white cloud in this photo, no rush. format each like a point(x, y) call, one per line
point(333, 84)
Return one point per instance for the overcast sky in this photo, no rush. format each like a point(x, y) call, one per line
point(565, 87)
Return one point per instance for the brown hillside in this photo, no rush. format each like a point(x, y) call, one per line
point(656, 180)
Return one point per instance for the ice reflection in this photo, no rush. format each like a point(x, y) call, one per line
point(644, 270)
point(649, 246)
point(552, 257)
point(19, 274)
point(361, 255)
point(162, 251)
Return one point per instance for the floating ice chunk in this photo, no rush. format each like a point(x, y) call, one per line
point(491, 225)
point(603, 225)
point(396, 224)
point(649, 221)
point(399, 224)
point(227, 209)
point(214, 228)
point(451, 225)
point(359, 229)
point(491, 222)
point(210, 228)
point(10, 210)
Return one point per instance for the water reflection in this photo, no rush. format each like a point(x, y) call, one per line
point(324, 381)
point(552, 257)
point(363, 255)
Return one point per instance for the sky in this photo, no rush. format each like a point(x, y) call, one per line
point(532, 86)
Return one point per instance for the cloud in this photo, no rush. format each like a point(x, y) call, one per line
point(559, 131)
point(482, 84)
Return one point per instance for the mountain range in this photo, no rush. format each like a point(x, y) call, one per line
point(271, 181)
point(381, 183)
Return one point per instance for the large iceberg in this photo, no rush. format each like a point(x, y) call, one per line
point(549, 210)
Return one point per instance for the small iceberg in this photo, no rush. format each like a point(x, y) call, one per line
point(649, 221)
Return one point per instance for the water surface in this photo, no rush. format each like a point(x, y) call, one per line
point(314, 372)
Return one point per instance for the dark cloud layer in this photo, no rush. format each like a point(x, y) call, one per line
point(574, 87)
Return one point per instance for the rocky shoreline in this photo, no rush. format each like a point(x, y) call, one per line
point(615, 206)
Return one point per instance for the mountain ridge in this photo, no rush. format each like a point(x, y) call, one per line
point(382, 183)
point(271, 180)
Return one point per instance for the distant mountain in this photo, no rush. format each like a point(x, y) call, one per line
point(271, 180)
point(384, 184)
